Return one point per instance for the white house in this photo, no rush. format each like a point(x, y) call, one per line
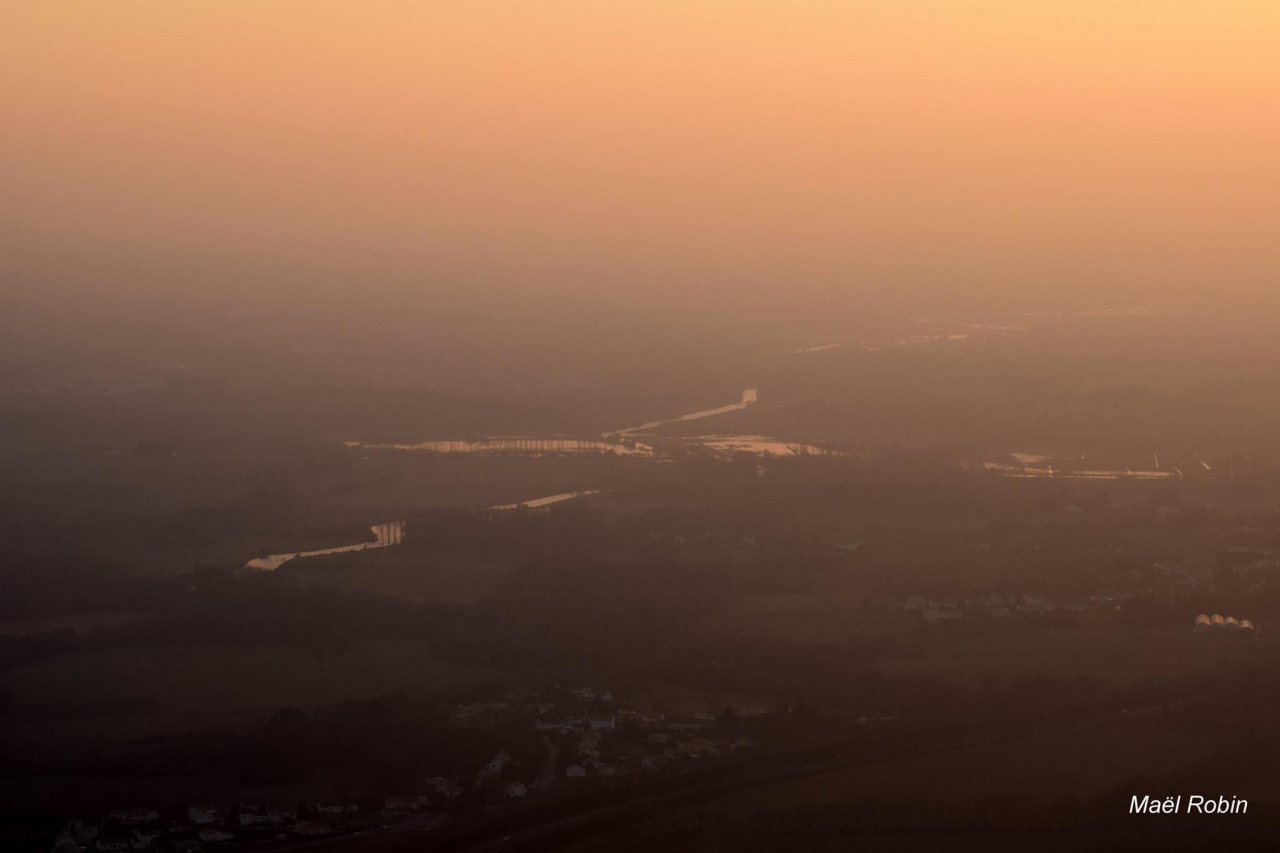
point(203, 816)
point(440, 785)
point(143, 839)
point(254, 819)
point(335, 808)
point(215, 836)
point(498, 762)
point(134, 816)
point(936, 615)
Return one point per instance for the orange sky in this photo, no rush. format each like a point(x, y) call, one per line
point(1046, 148)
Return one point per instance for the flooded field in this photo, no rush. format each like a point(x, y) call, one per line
point(522, 445)
point(750, 396)
point(392, 533)
point(763, 446)
point(538, 503)
point(1084, 466)
point(623, 442)
point(384, 535)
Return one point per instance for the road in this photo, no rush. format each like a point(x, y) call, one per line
point(547, 775)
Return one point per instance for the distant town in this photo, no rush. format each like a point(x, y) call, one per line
point(590, 740)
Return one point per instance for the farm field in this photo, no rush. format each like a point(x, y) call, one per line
point(120, 695)
point(1073, 764)
point(1118, 653)
point(415, 577)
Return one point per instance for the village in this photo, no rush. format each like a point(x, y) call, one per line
point(938, 610)
point(1247, 570)
point(590, 741)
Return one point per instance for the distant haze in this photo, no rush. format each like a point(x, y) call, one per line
point(707, 156)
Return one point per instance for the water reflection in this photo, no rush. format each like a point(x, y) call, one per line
point(538, 503)
point(761, 445)
point(392, 533)
point(1081, 466)
point(618, 443)
point(517, 445)
point(384, 535)
point(749, 397)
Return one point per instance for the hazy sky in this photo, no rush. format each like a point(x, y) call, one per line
point(1060, 149)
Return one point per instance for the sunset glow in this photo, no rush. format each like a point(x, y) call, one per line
point(1049, 148)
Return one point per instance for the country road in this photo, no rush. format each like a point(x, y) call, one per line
point(547, 775)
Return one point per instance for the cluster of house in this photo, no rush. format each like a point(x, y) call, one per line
point(938, 610)
point(707, 539)
point(1256, 566)
point(588, 736)
point(632, 742)
point(593, 737)
point(139, 829)
point(1204, 624)
point(191, 830)
point(1178, 577)
point(197, 828)
point(494, 769)
point(1252, 567)
point(521, 704)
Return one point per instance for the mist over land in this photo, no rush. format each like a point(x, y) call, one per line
point(628, 427)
